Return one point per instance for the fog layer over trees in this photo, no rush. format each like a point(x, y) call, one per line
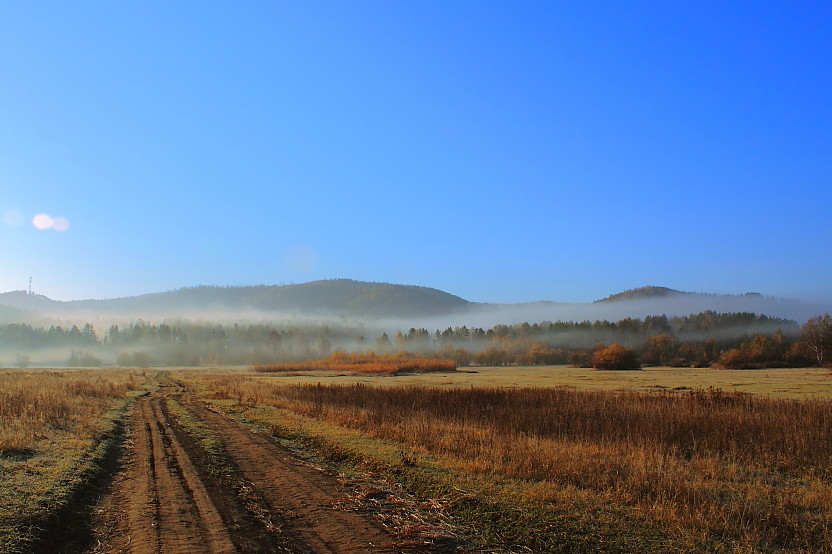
point(731, 339)
point(283, 323)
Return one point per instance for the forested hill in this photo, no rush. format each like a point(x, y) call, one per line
point(332, 297)
point(661, 300)
point(412, 305)
point(643, 292)
point(12, 315)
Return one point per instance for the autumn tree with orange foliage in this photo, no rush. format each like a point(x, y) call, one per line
point(615, 356)
point(659, 349)
point(759, 352)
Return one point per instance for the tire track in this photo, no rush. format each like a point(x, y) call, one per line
point(166, 499)
point(305, 497)
point(160, 504)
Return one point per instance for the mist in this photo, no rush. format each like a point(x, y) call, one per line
point(489, 315)
point(243, 325)
point(222, 338)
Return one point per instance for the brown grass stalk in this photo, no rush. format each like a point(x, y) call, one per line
point(34, 404)
point(363, 364)
point(745, 470)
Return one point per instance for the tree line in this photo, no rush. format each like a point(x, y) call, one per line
point(732, 340)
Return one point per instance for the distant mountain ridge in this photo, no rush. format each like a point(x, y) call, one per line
point(652, 291)
point(413, 304)
point(642, 292)
point(333, 296)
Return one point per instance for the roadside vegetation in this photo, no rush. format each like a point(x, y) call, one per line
point(56, 430)
point(696, 470)
point(364, 364)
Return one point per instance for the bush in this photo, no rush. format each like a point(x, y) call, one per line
point(364, 364)
point(732, 359)
point(615, 356)
point(543, 354)
point(759, 352)
point(492, 357)
point(800, 353)
point(581, 358)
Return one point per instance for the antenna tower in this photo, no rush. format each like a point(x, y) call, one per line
point(30, 285)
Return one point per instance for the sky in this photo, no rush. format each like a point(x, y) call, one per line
point(500, 151)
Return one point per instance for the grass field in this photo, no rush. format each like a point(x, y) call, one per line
point(363, 364)
point(788, 383)
point(509, 459)
point(577, 460)
point(56, 427)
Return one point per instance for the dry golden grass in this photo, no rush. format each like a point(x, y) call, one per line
point(52, 437)
point(34, 404)
point(363, 364)
point(729, 470)
point(787, 383)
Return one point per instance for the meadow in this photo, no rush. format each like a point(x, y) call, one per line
point(56, 430)
point(508, 459)
point(368, 363)
point(812, 382)
point(652, 460)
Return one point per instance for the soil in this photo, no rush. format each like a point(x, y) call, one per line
point(169, 498)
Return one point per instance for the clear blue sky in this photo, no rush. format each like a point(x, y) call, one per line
point(502, 151)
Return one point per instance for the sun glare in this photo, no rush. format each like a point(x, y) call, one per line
point(60, 224)
point(44, 222)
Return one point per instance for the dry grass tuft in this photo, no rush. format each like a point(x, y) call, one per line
point(55, 430)
point(364, 364)
point(722, 468)
point(33, 404)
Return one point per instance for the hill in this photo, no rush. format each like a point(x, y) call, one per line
point(391, 304)
point(327, 297)
point(642, 292)
point(21, 300)
point(650, 300)
point(13, 315)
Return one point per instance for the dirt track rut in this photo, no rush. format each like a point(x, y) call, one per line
point(166, 499)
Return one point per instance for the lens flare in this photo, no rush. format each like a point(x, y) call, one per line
point(60, 224)
point(42, 222)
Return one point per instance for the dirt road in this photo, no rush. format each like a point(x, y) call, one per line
point(169, 498)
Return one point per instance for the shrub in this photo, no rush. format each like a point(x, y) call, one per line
point(543, 354)
point(580, 358)
point(615, 356)
point(800, 353)
point(492, 357)
point(732, 359)
point(364, 364)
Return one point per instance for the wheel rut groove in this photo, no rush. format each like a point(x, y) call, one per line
point(305, 496)
point(167, 498)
